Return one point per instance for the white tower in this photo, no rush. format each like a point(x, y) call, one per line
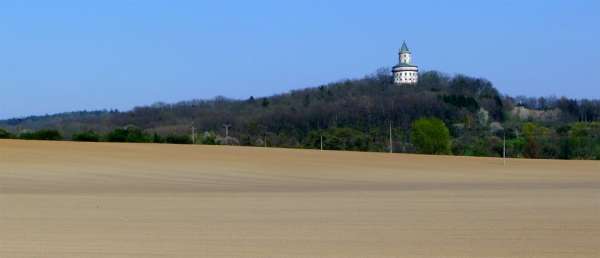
point(405, 73)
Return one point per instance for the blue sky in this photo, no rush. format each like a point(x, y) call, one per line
point(60, 55)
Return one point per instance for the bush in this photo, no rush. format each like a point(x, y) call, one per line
point(480, 146)
point(338, 139)
point(539, 142)
point(128, 134)
point(156, 138)
point(118, 135)
point(515, 147)
point(179, 139)
point(49, 135)
point(5, 134)
point(209, 138)
point(89, 136)
point(431, 136)
point(584, 140)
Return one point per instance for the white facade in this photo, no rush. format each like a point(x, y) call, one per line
point(405, 58)
point(406, 77)
point(405, 73)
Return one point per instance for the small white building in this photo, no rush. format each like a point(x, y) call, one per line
point(405, 73)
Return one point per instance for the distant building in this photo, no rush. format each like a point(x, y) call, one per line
point(405, 73)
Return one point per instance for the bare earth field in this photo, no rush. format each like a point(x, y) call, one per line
point(62, 199)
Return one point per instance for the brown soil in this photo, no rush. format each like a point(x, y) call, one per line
point(63, 199)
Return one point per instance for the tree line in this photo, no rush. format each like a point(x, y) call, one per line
point(356, 115)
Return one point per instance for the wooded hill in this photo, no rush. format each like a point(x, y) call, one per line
point(353, 115)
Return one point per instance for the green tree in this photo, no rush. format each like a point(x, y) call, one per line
point(156, 138)
point(338, 139)
point(539, 142)
point(584, 140)
point(209, 138)
point(128, 134)
point(5, 134)
point(430, 136)
point(265, 103)
point(88, 136)
point(178, 139)
point(48, 135)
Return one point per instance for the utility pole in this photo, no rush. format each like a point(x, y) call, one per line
point(227, 126)
point(321, 142)
point(504, 149)
point(193, 134)
point(391, 141)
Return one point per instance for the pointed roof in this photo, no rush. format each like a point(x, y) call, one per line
point(404, 48)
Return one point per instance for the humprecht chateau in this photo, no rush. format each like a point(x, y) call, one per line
point(405, 73)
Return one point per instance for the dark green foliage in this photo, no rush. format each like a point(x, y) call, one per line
point(209, 139)
point(484, 145)
point(128, 134)
point(265, 102)
point(156, 138)
point(462, 102)
point(178, 139)
point(430, 136)
point(48, 135)
point(338, 139)
point(5, 134)
point(306, 101)
point(88, 136)
point(540, 142)
point(584, 141)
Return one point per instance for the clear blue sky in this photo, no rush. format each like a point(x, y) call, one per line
point(63, 55)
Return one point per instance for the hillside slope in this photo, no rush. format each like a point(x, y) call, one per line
point(355, 115)
point(366, 105)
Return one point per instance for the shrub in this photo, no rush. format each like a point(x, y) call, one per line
point(481, 146)
point(431, 136)
point(338, 139)
point(584, 140)
point(156, 138)
point(209, 138)
point(5, 134)
point(179, 139)
point(128, 134)
point(49, 135)
point(538, 142)
point(89, 136)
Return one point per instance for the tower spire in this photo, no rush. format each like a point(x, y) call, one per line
point(404, 48)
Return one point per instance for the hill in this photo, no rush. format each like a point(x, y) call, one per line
point(354, 115)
